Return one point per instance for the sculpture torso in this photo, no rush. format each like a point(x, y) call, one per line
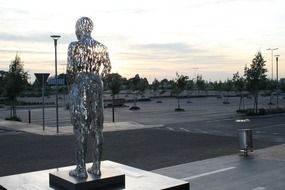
point(87, 56)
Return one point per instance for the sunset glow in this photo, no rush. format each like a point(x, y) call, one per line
point(153, 38)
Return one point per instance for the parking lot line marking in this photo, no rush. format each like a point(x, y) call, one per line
point(218, 120)
point(186, 130)
point(208, 173)
point(259, 188)
point(170, 128)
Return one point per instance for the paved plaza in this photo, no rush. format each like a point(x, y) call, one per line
point(263, 170)
point(199, 145)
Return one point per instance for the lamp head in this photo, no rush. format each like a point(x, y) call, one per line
point(55, 37)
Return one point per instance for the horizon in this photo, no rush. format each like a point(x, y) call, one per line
point(213, 38)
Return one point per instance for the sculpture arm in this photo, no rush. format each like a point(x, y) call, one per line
point(70, 68)
point(106, 63)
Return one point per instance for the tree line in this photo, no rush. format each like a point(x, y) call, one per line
point(251, 82)
point(14, 82)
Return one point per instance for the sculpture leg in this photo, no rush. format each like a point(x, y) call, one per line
point(81, 136)
point(97, 133)
point(97, 153)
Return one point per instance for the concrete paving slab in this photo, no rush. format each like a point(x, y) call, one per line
point(272, 153)
point(263, 169)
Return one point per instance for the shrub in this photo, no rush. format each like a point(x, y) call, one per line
point(14, 118)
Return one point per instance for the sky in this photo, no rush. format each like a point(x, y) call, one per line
point(154, 38)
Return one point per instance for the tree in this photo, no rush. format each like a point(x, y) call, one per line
point(228, 84)
point(143, 85)
point(155, 87)
point(200, 82)
point(218, 87)
point(114, 83)
point(165, 85)
point(3, 81)
point(255, 77)
point(179, 86)
point(282, 86)
point(17, 80)
point(270, 86)
point(134, 86)
point(239, 84)
point(189, 88)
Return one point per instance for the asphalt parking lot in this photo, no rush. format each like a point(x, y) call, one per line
point(206, 130)
point(147, 149)
point(201, 109)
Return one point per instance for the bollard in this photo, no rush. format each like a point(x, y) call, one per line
point(245, 141)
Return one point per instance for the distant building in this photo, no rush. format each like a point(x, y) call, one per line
point(3, 74)
point(61, 80)
point(52, 82)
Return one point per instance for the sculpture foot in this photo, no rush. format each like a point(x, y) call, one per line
point(78, 173)
point(94, 171)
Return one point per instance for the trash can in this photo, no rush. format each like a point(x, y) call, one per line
point(245, 141)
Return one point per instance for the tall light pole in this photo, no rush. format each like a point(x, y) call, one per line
point(55, 38)
point(277, 82)
point(272, 49)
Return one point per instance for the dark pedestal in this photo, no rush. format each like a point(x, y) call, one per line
point(109, 179)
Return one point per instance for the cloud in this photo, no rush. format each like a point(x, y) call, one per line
point(125, 11)
point(65, 38)
point(12, 11)
point(24, 38)
point(162, 60)
point(223, 2)
point(25, 51)
point(166, 47)
point(171, 53)
point(163, 52)
point(35, 37)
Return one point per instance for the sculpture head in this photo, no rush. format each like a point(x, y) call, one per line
point(83, 27)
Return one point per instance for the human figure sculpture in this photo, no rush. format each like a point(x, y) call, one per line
point(84, 80)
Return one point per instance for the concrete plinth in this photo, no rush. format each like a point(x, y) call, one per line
point(134, 179)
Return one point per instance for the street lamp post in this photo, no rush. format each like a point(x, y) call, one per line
point(272, 49)
point(55, 38)
point(277, 82)
point(42, 78)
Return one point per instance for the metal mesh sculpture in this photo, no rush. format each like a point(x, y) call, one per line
point(84, 80)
